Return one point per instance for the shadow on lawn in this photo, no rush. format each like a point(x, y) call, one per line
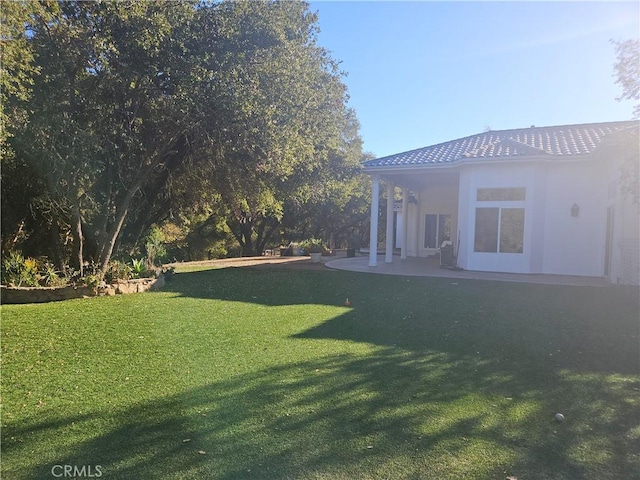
point(463, 383)
point(584, 329)
point(393, 414)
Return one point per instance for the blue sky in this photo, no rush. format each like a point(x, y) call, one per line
point(421, 73)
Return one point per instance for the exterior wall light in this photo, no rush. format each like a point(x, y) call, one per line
point(575, 210)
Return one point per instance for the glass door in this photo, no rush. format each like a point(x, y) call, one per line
point(437, 229)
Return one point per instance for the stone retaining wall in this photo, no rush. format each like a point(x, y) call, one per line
point(55, 294)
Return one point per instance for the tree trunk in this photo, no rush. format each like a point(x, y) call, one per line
point(78, 245)
point(107, 248)
point(109, 238)
point(265, 234)
point(246, 230)
point(57, 250)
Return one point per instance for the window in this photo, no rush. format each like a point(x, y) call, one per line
point(437, 227)
point(504, 224)
point(430, 231)
point(487, 229)
point(501, 194)
point(511, 230)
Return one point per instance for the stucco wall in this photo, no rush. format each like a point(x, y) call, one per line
point(575, 245)
point(625, 254)
point(497, 176)
point(554, 241)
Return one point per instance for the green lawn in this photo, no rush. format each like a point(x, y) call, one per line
point(264, 373)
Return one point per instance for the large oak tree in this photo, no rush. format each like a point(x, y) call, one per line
point(143, 108)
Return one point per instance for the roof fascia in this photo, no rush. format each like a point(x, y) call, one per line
point(463, 162)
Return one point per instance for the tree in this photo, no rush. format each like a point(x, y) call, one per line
point(107, 119)
point(333, 202)
point(627, 70)
point(139, 108)
point(283, 103)
point(17, 66)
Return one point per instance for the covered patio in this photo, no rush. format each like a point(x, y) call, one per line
point(430, 267)
point(537, 201)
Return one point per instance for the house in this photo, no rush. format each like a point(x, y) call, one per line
point(531, 200)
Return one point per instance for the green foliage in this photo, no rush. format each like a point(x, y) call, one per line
point(91, 280)
point(155, 246)
point(29, 272)
point(50, 277)
point(312, 245)
point(117, 270)
point(627, 71)
point(139, 114)
point(138, 267)
point(18, 67)
point(19, 271)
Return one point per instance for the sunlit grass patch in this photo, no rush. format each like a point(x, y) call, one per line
point(264, 373)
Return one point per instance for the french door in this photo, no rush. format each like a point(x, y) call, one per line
point(437, 229)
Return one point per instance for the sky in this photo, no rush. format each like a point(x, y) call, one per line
point(421, 73)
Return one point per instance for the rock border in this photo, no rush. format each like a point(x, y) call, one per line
point(22, 295)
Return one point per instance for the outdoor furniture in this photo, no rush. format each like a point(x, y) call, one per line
point(446, 256)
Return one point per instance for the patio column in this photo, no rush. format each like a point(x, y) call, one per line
point(405, 223)
point(388, 253)
point(373, 233)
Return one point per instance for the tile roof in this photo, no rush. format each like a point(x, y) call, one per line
point(560, 141)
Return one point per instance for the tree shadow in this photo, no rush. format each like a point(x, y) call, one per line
point(584, 329)
point(462, 381)
point(393, 414)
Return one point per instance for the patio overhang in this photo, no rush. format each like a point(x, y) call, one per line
point(414, 180)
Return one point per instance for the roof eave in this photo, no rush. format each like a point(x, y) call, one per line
point(545, 158)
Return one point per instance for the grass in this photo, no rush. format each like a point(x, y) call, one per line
point(264, 373)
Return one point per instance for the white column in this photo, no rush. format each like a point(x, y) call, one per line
point(405, 223)
point(373, 233)
point(388, 253)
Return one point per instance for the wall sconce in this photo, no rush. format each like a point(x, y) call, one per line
point(575, 210)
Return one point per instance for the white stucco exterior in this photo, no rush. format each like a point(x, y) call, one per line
point(576, 220)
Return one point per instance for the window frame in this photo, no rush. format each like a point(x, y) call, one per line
point(440, 227)
point(494, 208)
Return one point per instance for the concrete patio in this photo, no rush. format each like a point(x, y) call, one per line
point(430, 267)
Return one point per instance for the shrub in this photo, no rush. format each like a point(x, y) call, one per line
point(18, 271)
point(50, 277)
point(137, 267)
point(117, 270)
point(155, 246)
point(313, 245)
point(90, 280)
point(140, 268)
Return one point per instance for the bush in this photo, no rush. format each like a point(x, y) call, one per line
point(29, 272)
point(117, 270)
point(155, 246)
point(140, 268)
point(50, 277)
point(313, 245)
point(19, 272)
